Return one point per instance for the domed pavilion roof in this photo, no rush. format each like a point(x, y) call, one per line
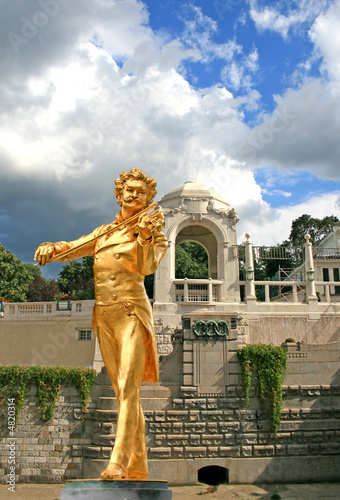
point(193, 189)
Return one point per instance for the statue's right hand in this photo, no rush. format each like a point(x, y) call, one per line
point(44, 253)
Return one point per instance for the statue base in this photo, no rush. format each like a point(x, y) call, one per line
point(122, 489)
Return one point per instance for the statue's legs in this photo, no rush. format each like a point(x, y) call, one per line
point(123, 340)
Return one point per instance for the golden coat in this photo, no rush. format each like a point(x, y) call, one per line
point(121, 262)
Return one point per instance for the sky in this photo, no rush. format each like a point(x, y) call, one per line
point(240, 95)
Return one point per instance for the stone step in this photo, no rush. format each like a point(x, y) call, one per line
point(103, 439)
point(106, 403)
point(105, 415)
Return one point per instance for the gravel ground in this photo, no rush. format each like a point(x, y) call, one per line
point(320, 491)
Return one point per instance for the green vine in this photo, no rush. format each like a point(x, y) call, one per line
point(268, 364)
point(15, 381)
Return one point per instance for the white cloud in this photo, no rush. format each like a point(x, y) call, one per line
point(238, 74)
point(96, 92)
point(295, 14)
point(276, 192)
point(325, 33)
point(301, 133)
point(274, 225)
point(224, 176)
point(199, 32)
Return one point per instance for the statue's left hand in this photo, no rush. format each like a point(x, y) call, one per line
point(150, 223)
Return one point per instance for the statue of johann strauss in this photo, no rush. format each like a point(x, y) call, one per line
point(122, 316)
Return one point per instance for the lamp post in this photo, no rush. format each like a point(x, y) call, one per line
point(250, 285)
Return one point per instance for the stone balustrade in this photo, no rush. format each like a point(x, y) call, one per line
point(195, 290)
point(28, 310)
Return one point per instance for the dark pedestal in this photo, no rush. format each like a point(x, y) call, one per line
point(124, 489)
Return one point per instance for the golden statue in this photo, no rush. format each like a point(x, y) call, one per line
point(125, 251)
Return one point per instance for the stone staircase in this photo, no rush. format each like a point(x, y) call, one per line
point(154, 398)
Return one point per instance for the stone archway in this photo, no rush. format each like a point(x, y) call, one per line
point(202, 235)
point(213, 475)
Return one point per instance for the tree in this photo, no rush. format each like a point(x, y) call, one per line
point(14, 277)
point(191, 261)
point(42, 290)
point(317, 228)
point(76, 279)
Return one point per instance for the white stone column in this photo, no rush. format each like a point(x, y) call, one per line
point(98, 362)
point(309, 263)
point(210, 290)
point(186, 290)
point(267, 293)
point(250, 275)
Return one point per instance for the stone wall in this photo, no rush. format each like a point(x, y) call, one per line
point(186, 430)
point(192, 432)
point(206, 429)
point(48, 452)
point(277, 328)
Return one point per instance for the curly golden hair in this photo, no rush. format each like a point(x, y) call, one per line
point(138, 175)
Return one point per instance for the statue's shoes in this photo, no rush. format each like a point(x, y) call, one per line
point(113, 471)
point(138, 466)
point(136, 474)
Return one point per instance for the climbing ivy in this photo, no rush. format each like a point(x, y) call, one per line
point(15, 381)
point(268, 363)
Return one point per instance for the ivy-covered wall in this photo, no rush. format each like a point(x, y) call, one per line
point(39, 448)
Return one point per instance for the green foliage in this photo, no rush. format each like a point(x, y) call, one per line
point(15, 381)
point(268, 363)
point(76, 279)
point(32, 269)
point(191, 261)
point(15, 277)
point(42, 290)
point(266, 268)
point(317, 228)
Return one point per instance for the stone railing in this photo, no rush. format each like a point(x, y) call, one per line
point(292, 291)
point(326, 253)
point(26, 310)
point(190, 290)
point(289, 291)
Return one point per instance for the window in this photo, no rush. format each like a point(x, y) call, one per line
point(233, 323)
point(84, 334)
point(325, 274)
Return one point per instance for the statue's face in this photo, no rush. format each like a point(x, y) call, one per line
point(134, 195)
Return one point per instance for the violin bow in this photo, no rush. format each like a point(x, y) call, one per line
point(133, 218)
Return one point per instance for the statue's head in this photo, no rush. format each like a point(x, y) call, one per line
point(135, 175)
